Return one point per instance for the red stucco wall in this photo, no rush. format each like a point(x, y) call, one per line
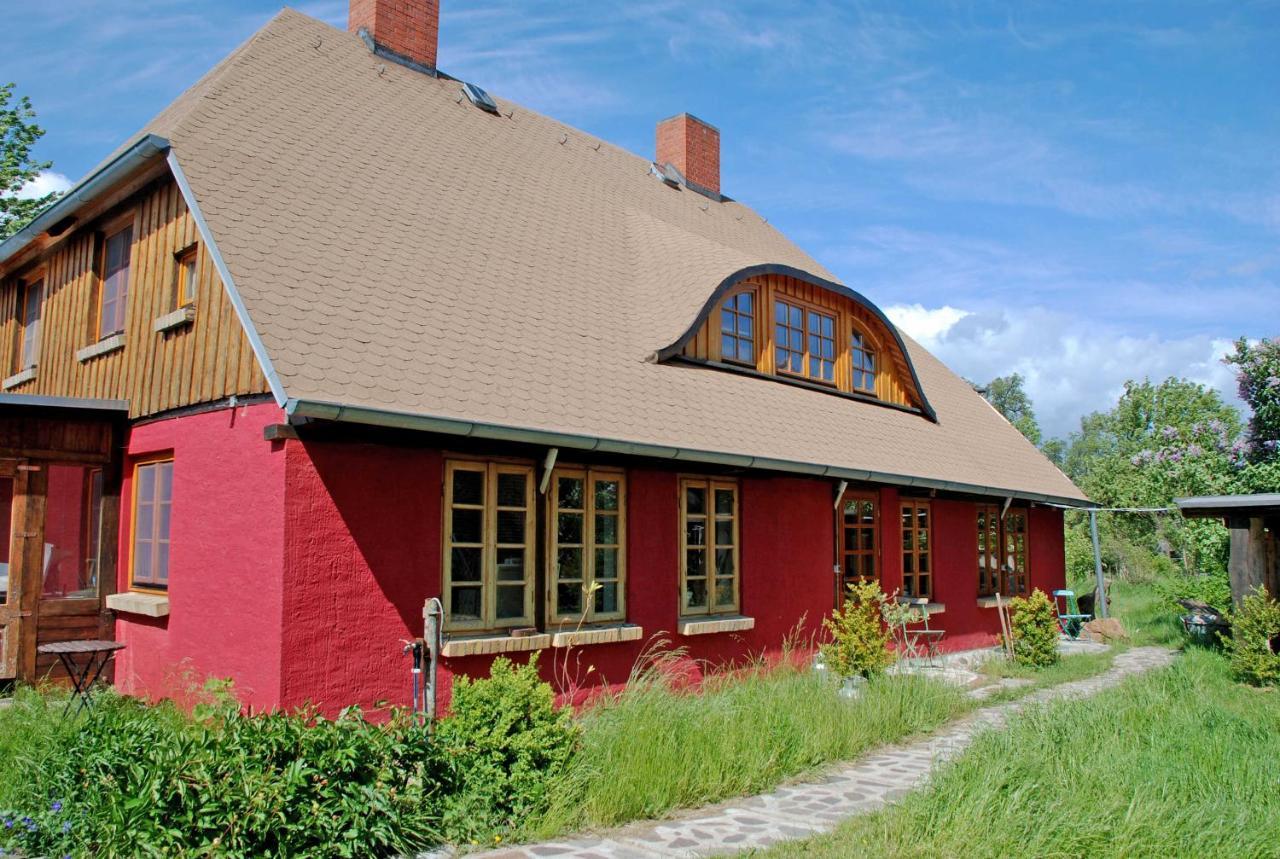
point(227, 536)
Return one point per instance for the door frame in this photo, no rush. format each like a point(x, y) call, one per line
point(26, 540)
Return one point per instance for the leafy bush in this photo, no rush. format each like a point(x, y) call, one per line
point(141, 779)
point(503, 742)
point(859, 643)
point(1211, 588)
point(1254, 646)
point(1034, 622)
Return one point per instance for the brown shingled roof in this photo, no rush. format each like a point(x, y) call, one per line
point(399, 250)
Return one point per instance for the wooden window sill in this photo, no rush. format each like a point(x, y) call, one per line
point(712, 624)
point(931, 607)
point(990, 602)
point(132, 602)
point(19, 378)
point(597, 635)
point(177, 319)
point(484, 645)
point(105, 346)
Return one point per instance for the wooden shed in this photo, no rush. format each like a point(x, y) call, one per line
point(1254, 521)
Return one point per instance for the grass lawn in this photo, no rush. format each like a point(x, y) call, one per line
point(1180, 762)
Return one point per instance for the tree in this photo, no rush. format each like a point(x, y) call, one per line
point(1258, 375)
point(18, 134)
point(1009, 398)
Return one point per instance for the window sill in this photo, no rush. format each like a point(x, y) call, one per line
point(20, 378)
point(597, 635)
point(178, 318)
point(132, 602)
point(713, 624)
point(105, 346)
point(931, 607)
point(485, 645)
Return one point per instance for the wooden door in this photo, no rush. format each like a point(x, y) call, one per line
point(15, 526)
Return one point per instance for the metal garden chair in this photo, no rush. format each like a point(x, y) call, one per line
point(920, 642)
point(1070, 619)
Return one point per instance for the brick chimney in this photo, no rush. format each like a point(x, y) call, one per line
point(405, 29)
point(692, 147)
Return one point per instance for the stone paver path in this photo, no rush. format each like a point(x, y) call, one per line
point(805, 809)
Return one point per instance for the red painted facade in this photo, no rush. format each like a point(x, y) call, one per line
point(300, 568)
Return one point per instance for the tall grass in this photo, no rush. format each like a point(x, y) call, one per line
point(1182, 762)
point(654, 748)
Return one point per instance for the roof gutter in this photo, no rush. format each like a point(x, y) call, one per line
point(86, 191)
point(297, 408)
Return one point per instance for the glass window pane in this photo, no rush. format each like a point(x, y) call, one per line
point(724, 532)
point(724, 592)
point(146, 483)
point(695, 563)
point(464, 604)
point(924, 563)
point(570, 492)
point(142, 561)
point(908, 564)
point(724, 502)
point(695, 532)
point(695, 593)
point(569, 528)
point(510, 526)
point(745, 302)
point(162, 562)
point(728, 346)
point(511, 490)
point(828, 327)
point(606, 529)
point(728, 321)
point(606, 564)
point(468, 487)
point(465, 564)
point(569, 598)
point(467, 526)
point(510, 565)
point(607, 598)
point(796, 318)
point(164, 481)
point(695, 499)
point(746, 351)
point(607, 494)
point(569, 563)
point(510, 602)
point(745, 327)
point(724, 562)
point(868, 539)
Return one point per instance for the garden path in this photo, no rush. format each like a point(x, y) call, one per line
point(802, 810)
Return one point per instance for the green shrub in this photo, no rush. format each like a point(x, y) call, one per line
point(136, 779)
point(860, 639)
point(1211, 588)
point(1034, 622)
point(1254, 646)
point(504, 741)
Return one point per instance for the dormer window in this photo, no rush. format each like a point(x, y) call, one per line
point(863, 357)
point(737, 328)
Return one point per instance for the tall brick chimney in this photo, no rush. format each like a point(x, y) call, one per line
point(692, 147)
point(407, 29)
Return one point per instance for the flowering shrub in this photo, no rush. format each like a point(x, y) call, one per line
point(48, 832)
point(1258, 376)
point(1034, 622)
point(1254, 646)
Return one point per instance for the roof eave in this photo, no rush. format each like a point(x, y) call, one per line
point(321, 410)
point(86, 191)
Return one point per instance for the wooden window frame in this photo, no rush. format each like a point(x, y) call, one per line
point(754, 316)
point(25, 288)
point(995, 575)
point(108, 231)
point(589, 545)
point(710, 547)
point(871, 345)
point(188, 256)
point(842, 529)
point(806, 356)
point(138, 464)
point(491, 469)
point(914, 551)
point(91, 548)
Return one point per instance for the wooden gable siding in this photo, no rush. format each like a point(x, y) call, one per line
point(893, 378)
point(207, 360)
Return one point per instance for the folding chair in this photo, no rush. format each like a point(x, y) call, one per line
point(1070, 619)
point(921, 642)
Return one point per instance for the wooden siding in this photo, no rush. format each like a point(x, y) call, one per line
point(893, 379)
point(206, 360)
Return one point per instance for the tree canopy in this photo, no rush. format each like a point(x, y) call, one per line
point(18, 134)
point(1007, 395)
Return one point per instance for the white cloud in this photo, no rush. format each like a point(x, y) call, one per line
point(47, 182)
point(1072, 365)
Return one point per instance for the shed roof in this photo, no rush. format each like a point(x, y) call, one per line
point(1258, 504)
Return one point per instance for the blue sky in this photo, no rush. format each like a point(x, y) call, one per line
point(1081, 192)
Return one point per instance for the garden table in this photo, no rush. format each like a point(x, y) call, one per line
point(95, 654)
